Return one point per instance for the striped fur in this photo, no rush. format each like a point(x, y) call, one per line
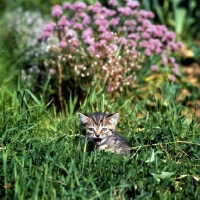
point(99, 128)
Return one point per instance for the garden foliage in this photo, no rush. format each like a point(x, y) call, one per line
point(112, 45)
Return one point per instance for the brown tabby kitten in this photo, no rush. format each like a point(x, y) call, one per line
point(99, 128)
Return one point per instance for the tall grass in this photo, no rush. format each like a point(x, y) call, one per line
point(44, 157)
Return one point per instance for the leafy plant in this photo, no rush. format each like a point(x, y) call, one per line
point(179, 15)
point(112, 45)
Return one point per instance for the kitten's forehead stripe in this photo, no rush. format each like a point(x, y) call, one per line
point(98, 118)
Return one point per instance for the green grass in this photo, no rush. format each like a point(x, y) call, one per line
point(44, 157)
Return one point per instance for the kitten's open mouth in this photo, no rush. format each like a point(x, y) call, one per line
point(97, 141)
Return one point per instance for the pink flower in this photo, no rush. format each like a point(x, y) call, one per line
point(101, 22)
point(175, 70)
point(143, 13)
point(170, 36)
point(133, 4)
point(50, 26)
point(133, 43)
point(97, 4)
point(107, 35)
point(122, 40)
point(173, 46)
point(164, 60)
point(63, 22)
point(46, 34)
point(146, 14)
point(156, 32)
point(70, 33)
point(124, 10)
point(152, 47)
point(112, 3)
point(63, 44)
point(102, 42)
point(78, 6)
point(67, 6)
point(130, 23)
point(179, 45)
point(91, 49)
point(110, 89)
point(86, 20)
point(146, 23)
point(175, 65)
point(87, 33)
point(88, 40)
point(90, 8)
point(134, 52)
point(134, 36)
point(144, 44)
point(163, 28)
point(74, 42)
point(140, 29)
point(114, 21)
point(172, 59)
point(150, 14)
point(154, 68)
point(78, 26)
point(157, 50)
point(147, 52)
point(52, 71)
point(57, 11)
point(122, 29)
point(108, 13)
point(155, 42)
point(104, 22)
point(114, 47)
point(135, 13)
point(96, 7)
point(145, 35)
point(102, 28)
point(172, 78)
point(87, 36)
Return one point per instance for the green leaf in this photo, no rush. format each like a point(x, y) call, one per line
point(162, 176)
point(152, 158)
point(180, 18)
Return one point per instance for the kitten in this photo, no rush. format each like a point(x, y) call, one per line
point(99, 128)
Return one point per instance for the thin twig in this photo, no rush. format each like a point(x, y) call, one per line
point(157, 144)
point(60, 86)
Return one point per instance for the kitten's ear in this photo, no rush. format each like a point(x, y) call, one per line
point(113, 119)
point(83, 118)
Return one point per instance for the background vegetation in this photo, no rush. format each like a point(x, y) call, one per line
point(43, 154)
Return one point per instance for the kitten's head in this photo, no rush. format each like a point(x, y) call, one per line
point(98, 126)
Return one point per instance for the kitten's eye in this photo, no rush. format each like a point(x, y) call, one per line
point(104, 129)
point(90, 129)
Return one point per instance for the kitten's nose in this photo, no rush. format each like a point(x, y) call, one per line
point(97, 135)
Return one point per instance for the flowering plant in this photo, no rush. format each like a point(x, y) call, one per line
point(111, 44)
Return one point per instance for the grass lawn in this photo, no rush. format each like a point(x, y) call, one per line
point(44, 156)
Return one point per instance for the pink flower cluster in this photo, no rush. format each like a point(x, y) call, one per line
point(117, 39)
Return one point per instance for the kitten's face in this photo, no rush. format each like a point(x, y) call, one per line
point(98, 126)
